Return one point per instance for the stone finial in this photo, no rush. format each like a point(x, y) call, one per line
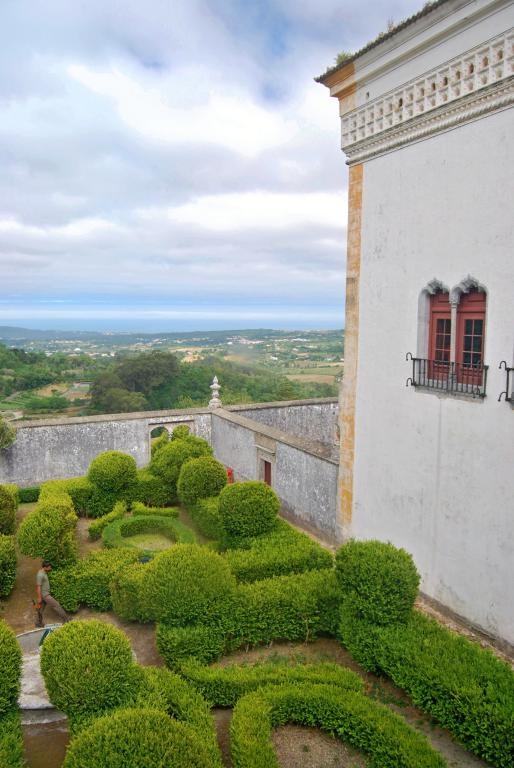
point(215, 401)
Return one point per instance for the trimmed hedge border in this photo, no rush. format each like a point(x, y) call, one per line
point(79, 489)
point(463, 686)
point(350, 716)
point(281, 552)
point(205, 515)
point(224, 686)
point(138, 508)
point(97, 526)
point(11, 741)
point(8, 506)
point(118, 532)
point(87, 582)
point(29, 495)
point(126, 593)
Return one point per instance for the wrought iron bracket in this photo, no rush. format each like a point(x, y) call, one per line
point(507, 391)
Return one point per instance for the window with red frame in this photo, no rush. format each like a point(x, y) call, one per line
point(469, 348)
point(439, 339)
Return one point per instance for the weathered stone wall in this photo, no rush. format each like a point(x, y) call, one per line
point(311, 419)
point(49, 449)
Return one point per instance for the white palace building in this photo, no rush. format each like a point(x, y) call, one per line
point(427, 416)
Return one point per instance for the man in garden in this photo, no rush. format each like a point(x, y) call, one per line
point(44, 597)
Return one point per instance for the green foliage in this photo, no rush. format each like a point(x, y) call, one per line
point(223, 686)
point(79, 489)
point(150, 489)
point(10, 669)
point(203, 642)
point(182, 432)
point(113, 472)
point(138, 508)
point(14, 491)
point(164, 690)
point(97, 526)
point(7, 564)
point(140, 738)
point(206, 517)
point(247, 509)
point(186, 584)
point(167, 462)
point(126, 592)
point(349, 715)
point(8, 508)
point(159, 442)
point(463, 686)
point(11, 741)
point(200, 478)
point(282, 551)
point(87, 582)
point(299, 607)
point(118, 532)
point(88, 667)
point(7, 434)
point(48, 532)
point(379, 582)
point(29, 495)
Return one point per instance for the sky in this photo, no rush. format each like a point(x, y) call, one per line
point(172, 165)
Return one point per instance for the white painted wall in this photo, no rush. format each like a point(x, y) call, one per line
point(434, 474)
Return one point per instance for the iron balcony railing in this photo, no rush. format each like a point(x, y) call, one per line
point(447, 377)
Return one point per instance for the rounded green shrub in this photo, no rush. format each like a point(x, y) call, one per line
point(48, 531)
point(29, 495)
point(7, 564)
point(247, 509)
point(126, 588)
point(88, 667)
point(167, 462)
point(113, 472)
point(188, 584)
point(150, 490)
point(79, 490)
point(181, 432)
point(7, 511)
point(119, 532)
point(10, 669)
point(137, 738)
point(200, 478)
point(379, 582)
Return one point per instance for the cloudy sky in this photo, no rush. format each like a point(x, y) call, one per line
point(171, 164)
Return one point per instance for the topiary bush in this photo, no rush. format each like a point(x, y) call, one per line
point(29, 495)
point(126, 592)
point(7, 564)
point(11, 741)
point(113, 471)
point(13, 489)
point(379, 582)
point(48, 532)
point(166, 463)
point(142, 738)
point(88, 667)
point(87, 582)
point(159, 442)
point(10, 669)
point(247, 509)
point(358, 720)
point(186, 584)
point(182, 432)
point(140, 509)
point(203, 642)
point(199, 479)
point(8, 508)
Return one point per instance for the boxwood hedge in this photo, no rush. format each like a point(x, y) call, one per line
point(282, 551)
point(118, 532)
point(138, 508)
point(206, 516)
point(29, 495)
point(167, 462)
point(463, 686)
point(379, 582)
point(87, 582)
point(10, 669)
point(224, 686)
point(247, 509)
point(88, 667)
point(141, 738)
point(7, 564)
point(11, 741)
point(186, 584)
point(200, 478)
point(8, 508)
point(126, 593)
point(113, 471)
point(48, 532)
point(352, 717)
point(203, 642)
point(79, 489)
point(150, 489)
point(97, 526)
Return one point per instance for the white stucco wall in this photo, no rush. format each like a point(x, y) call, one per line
point(434, 474)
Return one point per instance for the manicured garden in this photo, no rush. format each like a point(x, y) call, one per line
point(254, 581)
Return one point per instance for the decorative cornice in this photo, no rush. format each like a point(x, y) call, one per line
point(470, 86)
